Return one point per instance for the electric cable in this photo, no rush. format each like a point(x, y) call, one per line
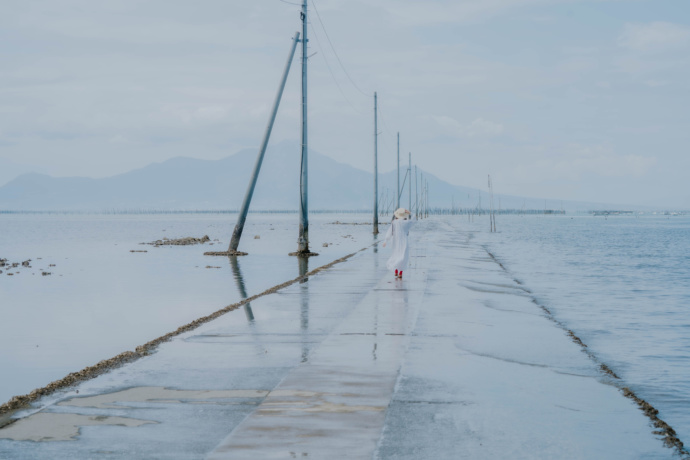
point(335, 52)
point(318, 42)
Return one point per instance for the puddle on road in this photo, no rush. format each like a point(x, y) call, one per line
point(320, 406)
point(51, 426)
point(120, 399)
point(42, 427)
point(310, 401)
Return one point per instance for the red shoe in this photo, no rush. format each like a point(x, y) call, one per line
point(396, 272)
point(400, 275)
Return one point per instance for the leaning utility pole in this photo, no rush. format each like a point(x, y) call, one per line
point(376, 171)
point(242, 216)
point(397, 190)
point(303, 240)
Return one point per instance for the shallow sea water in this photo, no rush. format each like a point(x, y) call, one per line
point(101, 299)
point(622, 284)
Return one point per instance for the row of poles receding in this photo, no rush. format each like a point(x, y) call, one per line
point(303, 238)
point(421, 206)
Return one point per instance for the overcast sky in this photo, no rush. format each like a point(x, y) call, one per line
point(572, 100)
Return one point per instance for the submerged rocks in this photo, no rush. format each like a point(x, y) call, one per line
point(186, 241)
point(7, 265)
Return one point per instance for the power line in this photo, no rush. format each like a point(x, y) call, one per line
point(313, 29)
point(386, 130)
point(335, 52)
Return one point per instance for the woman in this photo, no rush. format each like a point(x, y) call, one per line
point(398, 231)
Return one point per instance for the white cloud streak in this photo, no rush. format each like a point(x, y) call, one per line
point(574, 161)
point(655, 36)
point(479, 127)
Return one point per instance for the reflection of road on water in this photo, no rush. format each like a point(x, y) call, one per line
point(237, 274)
point(303, 265)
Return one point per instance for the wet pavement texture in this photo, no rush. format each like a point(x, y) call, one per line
point(453, 361)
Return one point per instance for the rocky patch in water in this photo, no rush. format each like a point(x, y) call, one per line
point(186, 241)
point(10, 268)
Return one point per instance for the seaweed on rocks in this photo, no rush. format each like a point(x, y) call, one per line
point(186, 241)
point(664, 429)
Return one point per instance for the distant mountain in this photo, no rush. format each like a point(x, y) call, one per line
point(190, 184)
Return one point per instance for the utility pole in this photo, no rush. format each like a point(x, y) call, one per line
point(376, 170)
point(303, 240)
point(426, 196)
point(397, 190)
point(416, 194)
point(242, 216)
point(409, 186)
point(421, 196)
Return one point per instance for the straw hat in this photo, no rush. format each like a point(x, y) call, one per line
point(401, 213)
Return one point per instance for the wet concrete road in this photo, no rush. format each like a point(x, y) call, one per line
point(454, 361)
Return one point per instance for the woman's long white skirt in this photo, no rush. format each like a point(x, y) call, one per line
point(398, 232)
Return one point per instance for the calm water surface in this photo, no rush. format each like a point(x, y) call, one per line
point(622, 284)
point(101, 299)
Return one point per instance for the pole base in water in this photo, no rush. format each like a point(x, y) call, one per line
point(303, 254)
point(226, 253)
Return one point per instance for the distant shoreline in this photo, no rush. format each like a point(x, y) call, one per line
point(435, 211)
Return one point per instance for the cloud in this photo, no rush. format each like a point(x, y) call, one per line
point(655, 36)
point(574, 161)
point(118, 139)
point(190, 114)
point(477, 128)
point(413, 12)
point(656, 83)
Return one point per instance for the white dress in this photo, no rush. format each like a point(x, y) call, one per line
point(398, 232)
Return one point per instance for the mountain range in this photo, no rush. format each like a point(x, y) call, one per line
point(193, 184)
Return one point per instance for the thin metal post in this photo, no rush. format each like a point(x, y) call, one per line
point(376, 170)
point(426, 199)
point(242, 216)
point(416, 194)
point(397, 189)
point(303, 240)
point(421, 196)
point(409, 186)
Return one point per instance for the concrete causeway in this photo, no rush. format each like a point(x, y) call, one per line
point(454, 361)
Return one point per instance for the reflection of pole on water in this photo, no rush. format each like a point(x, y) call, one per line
point(376, 171)
point(235, 266)
point(304, 310)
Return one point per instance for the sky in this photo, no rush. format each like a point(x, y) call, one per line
point(555, 99)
